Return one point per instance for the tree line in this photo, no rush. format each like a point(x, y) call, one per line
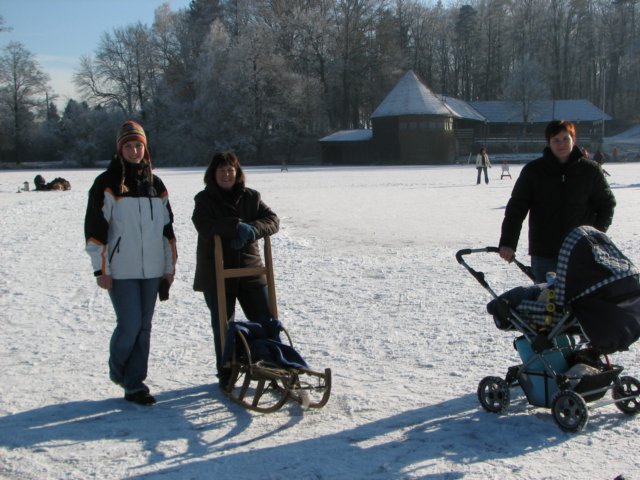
point(267, 78)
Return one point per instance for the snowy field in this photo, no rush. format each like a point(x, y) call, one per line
point(367, 285)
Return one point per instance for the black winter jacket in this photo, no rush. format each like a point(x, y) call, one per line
point(219, 212)
point(558, 197)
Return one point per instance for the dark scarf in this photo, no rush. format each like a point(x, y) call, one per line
point(134, 178)
point(228, 197)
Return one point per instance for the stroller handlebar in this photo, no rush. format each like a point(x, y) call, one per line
point(479, 276)
point(469, 251)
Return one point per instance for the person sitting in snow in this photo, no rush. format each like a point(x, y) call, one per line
point(57, 183)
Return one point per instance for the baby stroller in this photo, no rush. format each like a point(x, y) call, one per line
point(264, 371)
point(568, 329)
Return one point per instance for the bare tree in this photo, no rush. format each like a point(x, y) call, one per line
point(465, 51)
point(124, 73)
point(526, 86)
point(3, 25)
point(492, 49)
point(22, 87)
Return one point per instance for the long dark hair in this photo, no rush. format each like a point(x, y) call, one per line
point(223, 159)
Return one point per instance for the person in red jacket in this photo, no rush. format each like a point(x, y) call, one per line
point(226, 207)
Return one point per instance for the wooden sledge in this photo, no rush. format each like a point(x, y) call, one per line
point(257, 385)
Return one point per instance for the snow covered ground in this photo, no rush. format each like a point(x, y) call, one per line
point(367, 285)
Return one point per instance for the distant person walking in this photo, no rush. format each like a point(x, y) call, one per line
point(615, 154)
point(560, 191)
point(129, 235)
point(482, 163)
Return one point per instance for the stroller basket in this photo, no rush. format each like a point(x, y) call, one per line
point(594, 387)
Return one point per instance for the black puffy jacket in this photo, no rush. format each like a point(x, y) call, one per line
point(218, 212)
point(558, 197)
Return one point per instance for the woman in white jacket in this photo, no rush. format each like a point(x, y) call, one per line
point(482, 163)
point(130, 239)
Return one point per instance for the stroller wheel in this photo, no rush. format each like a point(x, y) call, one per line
point(494, 394)
point(628, 387)
point(569, 411)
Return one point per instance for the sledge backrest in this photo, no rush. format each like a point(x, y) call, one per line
point(223, 273)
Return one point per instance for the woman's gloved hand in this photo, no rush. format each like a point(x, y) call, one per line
point(246, 233)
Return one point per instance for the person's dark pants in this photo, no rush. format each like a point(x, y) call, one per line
point(541, 265)
point(134, 302)
point(486, 176)
point(254, 302)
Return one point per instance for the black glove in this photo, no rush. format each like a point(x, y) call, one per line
point(163, 290)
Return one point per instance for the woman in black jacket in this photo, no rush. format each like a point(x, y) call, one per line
point(226, 207)
point(560, 191)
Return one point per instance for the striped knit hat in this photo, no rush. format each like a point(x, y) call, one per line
point(131, 131)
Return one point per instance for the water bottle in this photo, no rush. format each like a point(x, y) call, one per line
point(551, 279)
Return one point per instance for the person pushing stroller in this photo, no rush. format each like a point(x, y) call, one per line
point(560, 191)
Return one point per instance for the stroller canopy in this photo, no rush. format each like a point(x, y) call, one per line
point(589, 261)
point(602, 287)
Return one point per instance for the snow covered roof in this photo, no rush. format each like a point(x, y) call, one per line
point(461, 109)
point(542, 111)
point(349, 136)
point(628, 137)
point(410, 97)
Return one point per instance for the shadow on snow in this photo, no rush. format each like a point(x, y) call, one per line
point(456, 431)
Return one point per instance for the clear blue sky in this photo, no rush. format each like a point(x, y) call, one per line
point(58, 32)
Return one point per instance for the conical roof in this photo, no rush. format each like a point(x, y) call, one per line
point(411, 97)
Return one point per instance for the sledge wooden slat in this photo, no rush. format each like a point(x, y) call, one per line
point(223, 274)
point(244, 272)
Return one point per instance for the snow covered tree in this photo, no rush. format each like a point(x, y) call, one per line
point(3, 25)
point(525, 86)
point(22, 88)
point(88, 134)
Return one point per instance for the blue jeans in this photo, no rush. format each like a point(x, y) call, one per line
point(486, 176)
point(133, 302)
point(541, 265)
point(254, 302)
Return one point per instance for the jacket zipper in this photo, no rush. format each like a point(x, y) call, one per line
point(116, 248)
point(141, 237)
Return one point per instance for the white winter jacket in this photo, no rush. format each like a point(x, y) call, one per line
point(479, 160)
point(129, 235)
